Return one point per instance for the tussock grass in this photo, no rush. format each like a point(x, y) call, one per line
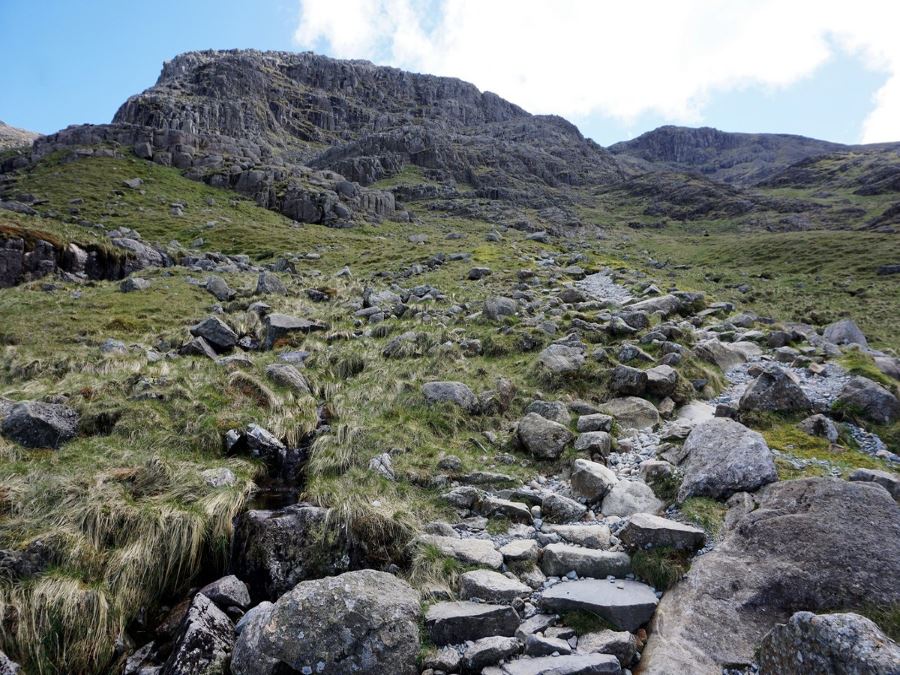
point(661, 567)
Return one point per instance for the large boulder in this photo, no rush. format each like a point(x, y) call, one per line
point(888, 480)
point(626, 604)
point(456, 393)
point(204, 642)
point(631, 412)
point(560, 559)
point(828, 643)
point(216, 332)
point(860, 396)
point(592, 480)
point(628, 381)
point(364, 622)
point(451, 623)
point(543, 438)
point(723, 457)
point(645, 530)
point(274, 550)
point(774, 390)
point(498, 307)
point(40, 425)
point(559, 359)
point(722, 355)
point(630, 496)
point(811, 544)
point(280, 327)
point(845, 332)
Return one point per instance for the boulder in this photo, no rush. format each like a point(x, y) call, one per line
point(723, 457)
point(228, 592)
point(594, 422)
point(571, 664)
point(216, 332)
point(133, 284)
point(661, 380)
point(286, 375)
point(497, 307)
point(589, 536)
point(555, 411)
point(811, 544)
point(269, 284)
point(559, 359)
point(220, 289)
point(516, 512)
point(828, 643)
point(821, 426)
point(40, 425)
point(863, 397)
point(630, 496)
point(539, 645)
point(543, 438)
point(272, 551)
point(558, 560)
point(456, 393)
point(845, 332)
point(468, 551)
point(487, 651)
point(719, 353)
point(451, 623)
point(520, 550)
point(594, 443)
point(774, 390)
point(628, 381)
point(204, 641)
point(491, 586)
point(620, 643)
point(626, 604)
point(364, 622)
point(645, 530)
point(889, 481)
point(557, 508)
point(632, 412)
point(592, 480)
point(664, 304)
point(280, 327)
point(8, 666)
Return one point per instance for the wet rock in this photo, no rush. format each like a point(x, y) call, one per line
point(789, 553)
point(558, 560)
point(628, 497)
point(644, 531)
point(363, 622)
point(456, 622)
point(456, 393)
point(626, 604)
point(723, 457)
point(204, 643)
point(40, 425)
point(828, 643)
point(543, 438)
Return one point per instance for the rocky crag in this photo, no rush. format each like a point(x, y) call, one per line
point(315, 366)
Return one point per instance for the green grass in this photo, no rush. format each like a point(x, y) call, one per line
point(661, 567)
point(705, 512)
point(795, 443)
point(584, 622)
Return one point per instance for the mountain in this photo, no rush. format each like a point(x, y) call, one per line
point(11, 137)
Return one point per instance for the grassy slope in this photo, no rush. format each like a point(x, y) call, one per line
point(129, 509)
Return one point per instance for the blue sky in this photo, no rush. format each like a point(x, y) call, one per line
point(75, 62)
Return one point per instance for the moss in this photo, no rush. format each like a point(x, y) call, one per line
point(858, 363)
point(794, 443)
point(705, 512)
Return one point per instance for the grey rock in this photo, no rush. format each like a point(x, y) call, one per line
point(538, 645)
point(789, 552)
point(774, 390)
point(543, 438)
point(487, 651)
point(661, 380)
point(219, 477)
point(216, 332)
point(724, 356)
point(819, 425)
point(228, 592)
point(845, 332)
point(589, 536)
point(382, 464)
point(468, 551)
point(204, 642)
point(555, 411)
point(40, 425)
point(456, 393)
point(491, 586)
point(594, 422)
point(520, 550)
point(626, 604)
point(497, 307)
point(363, 622)
point(630, 496)
point(572, 664)
point(724, 457)
point(621, 644)
point(645, 530)
point(445, 659)
point(219, 289)
point(560, 359)
point(536, 624)
point(286, 375)
point(477, 273)
point(628, 381)
point(594, 443)
point(592, 480)
point(889, 481)
point(556, 508)
point(558, 560)
point(517, 512)
point(632, 412)
point(828, 643)
point(456, 622)
point(280, 327)
point(863, 397)
point(132, 284)
point(269, 284)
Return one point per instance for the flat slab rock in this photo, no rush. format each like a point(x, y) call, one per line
point(469, 551)
point(573, 664)
point(491, 586)
point(451, 623)
point(645, 530)
point(624, 603)
point(560, 559)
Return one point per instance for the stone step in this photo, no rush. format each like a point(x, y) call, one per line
point(573, 664)
point(470, 551)
point(626, 604)
point(646, 530)
point(491, 587)
point(558, 560)
point(451, 623)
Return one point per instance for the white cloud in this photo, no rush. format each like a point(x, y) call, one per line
point(583, 57)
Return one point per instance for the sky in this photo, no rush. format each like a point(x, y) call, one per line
point(828, 69)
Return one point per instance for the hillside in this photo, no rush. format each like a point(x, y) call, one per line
point(11, 137)
point(297, 346)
